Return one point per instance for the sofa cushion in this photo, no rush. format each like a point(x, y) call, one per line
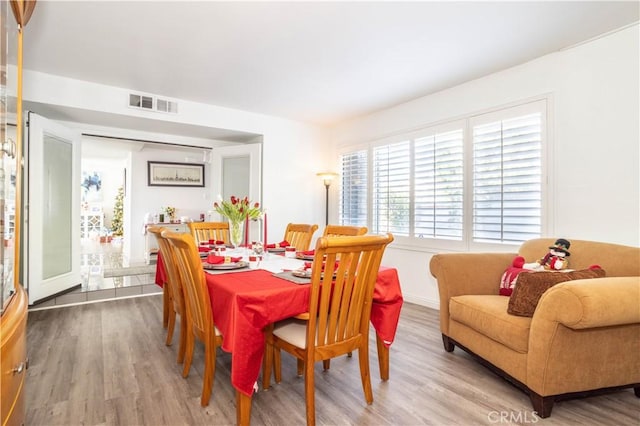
point(487, 314)
point(527, 293)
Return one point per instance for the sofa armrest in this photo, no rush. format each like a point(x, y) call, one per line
point(600, 302)
point(585, 326)
point(467, 273)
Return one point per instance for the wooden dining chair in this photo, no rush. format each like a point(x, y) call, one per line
point(299, 235)
point(166, 294)
point(343, 231)
point(198, 306)
point(174, 289)
point(339, 309)
point(337, 231)
point(205, 231)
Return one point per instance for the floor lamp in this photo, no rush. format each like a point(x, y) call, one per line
point(327, 177)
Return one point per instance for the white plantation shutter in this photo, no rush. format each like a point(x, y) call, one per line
point(353, 189)
point(507, 179)
point(438, 168)
point(454, 185)
point(391, 189)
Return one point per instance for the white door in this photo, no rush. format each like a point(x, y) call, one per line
point(52, 237)
point(237, 170)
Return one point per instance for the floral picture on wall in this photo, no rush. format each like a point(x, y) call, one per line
point(91, 186)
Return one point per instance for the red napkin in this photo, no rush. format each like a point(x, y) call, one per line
point(281, 244)
point(216, 242)
point(215, 260)
point(203, 249)
point(308, 252)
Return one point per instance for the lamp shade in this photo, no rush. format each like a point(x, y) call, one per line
point(327, 177)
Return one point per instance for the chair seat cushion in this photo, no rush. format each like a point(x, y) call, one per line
point(487, 314)
point(293, 331)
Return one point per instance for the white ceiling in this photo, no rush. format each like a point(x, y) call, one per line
point(319, 62)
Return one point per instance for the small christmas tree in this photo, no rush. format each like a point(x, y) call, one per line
point(116, 222)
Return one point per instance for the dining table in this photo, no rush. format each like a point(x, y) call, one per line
point(244, 301)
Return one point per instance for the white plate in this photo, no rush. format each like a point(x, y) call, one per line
point(302, 273)
point(276, 250)
point(304, 256)
point(223, 266)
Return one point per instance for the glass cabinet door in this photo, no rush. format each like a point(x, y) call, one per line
point(8, 161)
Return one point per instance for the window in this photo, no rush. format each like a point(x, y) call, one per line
point(420, 187)
point(353, 189)
point(507, 179)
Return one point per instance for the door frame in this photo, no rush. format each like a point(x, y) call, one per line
point(254, 152)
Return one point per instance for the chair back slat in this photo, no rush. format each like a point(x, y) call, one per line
point(193, 280)
point(299, 235)
point(205, 231)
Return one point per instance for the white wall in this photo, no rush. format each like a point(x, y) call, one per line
point(188, 201)
point(594, 128)
point(292, 154)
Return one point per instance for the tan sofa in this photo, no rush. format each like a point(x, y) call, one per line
point(583, 338)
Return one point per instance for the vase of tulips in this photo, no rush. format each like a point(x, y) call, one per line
point(237, 211)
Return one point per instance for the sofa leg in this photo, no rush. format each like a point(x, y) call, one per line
point(636, 390)
point(542, 405)
point(448, 343)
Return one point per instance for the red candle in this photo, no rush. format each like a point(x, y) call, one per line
point(265, 228)
point(246, 231)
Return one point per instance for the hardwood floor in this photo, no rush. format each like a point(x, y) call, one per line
point(106, 364)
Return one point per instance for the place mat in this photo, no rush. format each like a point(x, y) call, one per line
point(287, 275)
point(227, 271)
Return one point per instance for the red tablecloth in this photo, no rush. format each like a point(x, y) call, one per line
point(245, 302)
point(161, 274)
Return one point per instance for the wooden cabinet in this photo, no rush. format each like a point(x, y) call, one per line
point(13, 347)
point(13, 299)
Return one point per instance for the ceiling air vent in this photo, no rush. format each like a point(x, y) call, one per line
point(152, 103)
point(164, 105)
point(140, 101)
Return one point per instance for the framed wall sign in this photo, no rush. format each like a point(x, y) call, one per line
point(161, 173)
